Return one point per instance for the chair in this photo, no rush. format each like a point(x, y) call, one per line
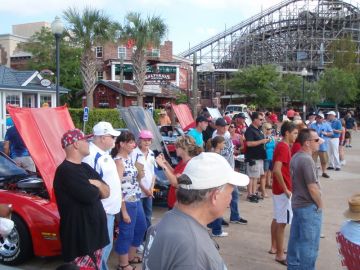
point(349, 252)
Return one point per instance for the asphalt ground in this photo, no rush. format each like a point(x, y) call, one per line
point(246, 246)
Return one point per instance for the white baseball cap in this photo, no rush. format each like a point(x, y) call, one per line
point(210, 170)
point(104, 128)
point(332, 113)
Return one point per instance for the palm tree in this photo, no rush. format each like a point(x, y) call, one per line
point(143, 34)
point(87, 29)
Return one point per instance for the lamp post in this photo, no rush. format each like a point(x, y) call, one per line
point(304, 73)
point(57, 29)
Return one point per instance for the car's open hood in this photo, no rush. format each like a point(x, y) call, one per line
point(41, 130)
point(184, 116)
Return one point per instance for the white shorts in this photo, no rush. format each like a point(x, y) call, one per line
point(282, 209)
point(256, 170)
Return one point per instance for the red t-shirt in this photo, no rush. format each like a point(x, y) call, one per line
point(295, 148)
point(172, 195)
point(282, 153)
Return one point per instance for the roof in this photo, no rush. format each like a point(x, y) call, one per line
point(168, 91)
point(24, 80)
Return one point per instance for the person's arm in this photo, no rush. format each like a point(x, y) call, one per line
point(256, 143)
point(124, 213)
point(315, 194)
point(7, 148)
point(102, 186)
point(338, 129)
point(279, 177)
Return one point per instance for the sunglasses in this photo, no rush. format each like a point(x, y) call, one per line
point(269, 129)
point(111, 136)
point(315, 140)
point(232, 126)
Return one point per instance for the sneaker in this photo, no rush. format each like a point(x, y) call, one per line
point(322, 235)
point(253, 199)
point(140, 249)
point(330, 168)
point(239, 221)
point(224, 223)
point(350, 145)
point(343, 162)
point(337, 169)
point(325, 175)
point(222, 234)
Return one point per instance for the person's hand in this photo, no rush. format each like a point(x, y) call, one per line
point(266, 140)
point(95, 182)
point(126, 217)
point(288, 193)
point(160, 160)
point(5, 210)
point(148, 192)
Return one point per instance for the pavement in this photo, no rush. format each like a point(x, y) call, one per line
point(247, 245)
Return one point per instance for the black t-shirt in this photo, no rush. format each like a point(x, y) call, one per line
point(258, 152)
point(83, 223)
point(207, 133)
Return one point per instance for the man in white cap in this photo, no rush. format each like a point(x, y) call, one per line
point(334, 159)
point(180, 240)
point(101, 161)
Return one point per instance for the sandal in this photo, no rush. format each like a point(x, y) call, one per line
point(119, 267)
point(136, 260)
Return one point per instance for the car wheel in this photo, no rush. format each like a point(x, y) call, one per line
point(17, 246)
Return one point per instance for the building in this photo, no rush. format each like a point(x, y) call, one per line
point(8, 43)
point(167, 75)
point(24, 89)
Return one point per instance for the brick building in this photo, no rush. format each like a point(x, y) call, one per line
point(167, 75)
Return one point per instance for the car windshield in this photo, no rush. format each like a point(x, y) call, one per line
point(9, 168)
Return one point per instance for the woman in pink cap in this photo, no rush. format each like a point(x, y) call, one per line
point(144, 155)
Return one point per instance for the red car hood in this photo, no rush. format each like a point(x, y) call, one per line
point(184, 116)
point(41, 130)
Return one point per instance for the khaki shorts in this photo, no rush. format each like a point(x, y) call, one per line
point(324, 158)
point(256, 170)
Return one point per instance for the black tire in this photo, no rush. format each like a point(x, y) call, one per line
point(17, 247)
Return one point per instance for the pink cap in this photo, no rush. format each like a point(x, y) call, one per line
point(145, 134)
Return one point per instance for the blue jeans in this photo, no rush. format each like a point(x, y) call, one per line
point(304, 238)
point(131, 234)
point(147, 206)
point(234, 208)
point(107, 250)
point(216, 226)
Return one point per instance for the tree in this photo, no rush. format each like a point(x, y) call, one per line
point(260, 82)
point(143, 33)
point(85, 30)
point(344, 53)
point(338, 86)
point(42, 47)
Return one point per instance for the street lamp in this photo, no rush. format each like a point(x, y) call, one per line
point(57, 29)
point(304, 73)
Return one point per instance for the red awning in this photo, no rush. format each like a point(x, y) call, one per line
point(41, 130)
point(184, 115)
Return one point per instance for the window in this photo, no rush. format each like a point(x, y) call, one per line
point(100, 75)
point(99, 52)
point(45, 99)
point(121, 52)
point(13, 99)
point(153, 53)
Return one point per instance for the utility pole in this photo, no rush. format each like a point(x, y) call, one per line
point(194, 87)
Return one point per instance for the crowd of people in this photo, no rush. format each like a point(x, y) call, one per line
point(109, 183)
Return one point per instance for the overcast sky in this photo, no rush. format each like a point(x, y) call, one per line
point(189, 21)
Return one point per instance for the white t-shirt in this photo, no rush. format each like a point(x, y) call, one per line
point(149, 164)
point(103, 163)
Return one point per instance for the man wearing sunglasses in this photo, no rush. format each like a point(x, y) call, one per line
point(306, 204)
point(101, 161)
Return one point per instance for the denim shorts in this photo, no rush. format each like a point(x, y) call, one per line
point(268, 165)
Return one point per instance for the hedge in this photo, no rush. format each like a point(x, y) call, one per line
point(95, 116)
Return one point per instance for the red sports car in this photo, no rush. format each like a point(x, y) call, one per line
point(35, 213)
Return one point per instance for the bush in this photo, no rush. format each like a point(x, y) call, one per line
point(95, 116)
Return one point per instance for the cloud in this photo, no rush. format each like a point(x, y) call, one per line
point(36, 7)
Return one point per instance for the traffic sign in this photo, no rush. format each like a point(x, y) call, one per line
point(86, 114)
